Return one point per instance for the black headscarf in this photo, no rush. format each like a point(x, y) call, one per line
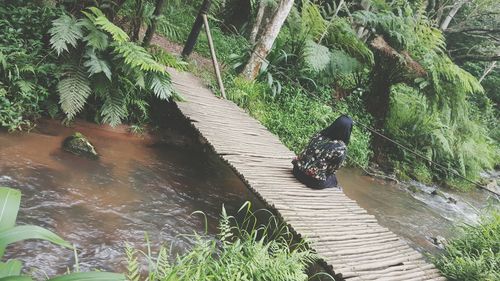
point(340, 129)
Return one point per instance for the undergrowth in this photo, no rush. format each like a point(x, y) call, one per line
point(475, 256)
point(243, 250)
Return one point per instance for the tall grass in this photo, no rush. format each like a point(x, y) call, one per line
point(244, 250)
point(476, 254)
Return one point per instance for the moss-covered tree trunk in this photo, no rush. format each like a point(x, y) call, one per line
point(391, 67)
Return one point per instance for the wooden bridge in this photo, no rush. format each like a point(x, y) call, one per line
point(348, 239)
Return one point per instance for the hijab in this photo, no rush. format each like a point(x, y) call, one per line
point(340, 129)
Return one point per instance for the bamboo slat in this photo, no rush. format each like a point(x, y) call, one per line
point(346, 236)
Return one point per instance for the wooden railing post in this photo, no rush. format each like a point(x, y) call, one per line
point(202, 19)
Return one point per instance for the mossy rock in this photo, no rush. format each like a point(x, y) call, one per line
point(79, 145)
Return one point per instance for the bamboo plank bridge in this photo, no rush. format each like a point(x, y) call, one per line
point(348, 239)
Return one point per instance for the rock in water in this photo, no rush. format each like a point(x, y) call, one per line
point(79, 145)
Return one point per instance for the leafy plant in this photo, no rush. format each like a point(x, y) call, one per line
point(27, 70)
point(10, 200)
point(244, 250)
point(475, 255)
point(103, 64)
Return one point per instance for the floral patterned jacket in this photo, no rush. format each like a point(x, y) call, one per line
point(322, 157)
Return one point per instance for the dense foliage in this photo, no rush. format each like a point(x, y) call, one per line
point(68, 57)
point(476, 254)
point(27, 70)
point(244, 250)
point(385, 64)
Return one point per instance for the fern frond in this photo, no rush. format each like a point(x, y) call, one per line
point(114, 109)
point(316, 56)
point(168, 28)
point(341, 36)
point(163, 267)
point(312, 21)
point(96, 65)
point(73, 91)
point(94, 38)
point(65, 30)
point(133, 268)
point(100, 20)
point(161, 85)
point(167, 59)
point(137, 56)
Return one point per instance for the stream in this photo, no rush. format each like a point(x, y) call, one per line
point(142, 184)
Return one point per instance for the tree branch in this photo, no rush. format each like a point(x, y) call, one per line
point(478, 57)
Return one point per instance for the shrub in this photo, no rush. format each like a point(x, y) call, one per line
point(476, 254)
point(28, 73)
point(244, 251)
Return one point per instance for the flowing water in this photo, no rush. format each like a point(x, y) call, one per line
point(411, 211)
point(145, 185)
point(139, 185)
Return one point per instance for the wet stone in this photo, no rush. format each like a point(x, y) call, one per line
point(79, 145)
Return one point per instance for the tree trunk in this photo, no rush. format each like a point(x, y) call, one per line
point(154, 22)
point(451, 14)
point(266, 40)
point(137, 20)
point(258, 21)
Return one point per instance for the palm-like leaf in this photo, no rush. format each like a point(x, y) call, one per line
point(316, 56)
point(65, 31)
point(73, 91)
point(96, 65)
point(114, 109)
point(160, 85)
point(137, 56)
point(100, 20)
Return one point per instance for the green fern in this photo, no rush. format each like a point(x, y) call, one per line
point(133, 267)
point(114, 109)
point(65, 30)
point(312, 21)
point(73, 91)
point(95, 38)
point(100, 20)
point(136, 56)
point(160, 85)
point(316, 56)
point(96, 65)
point(167, 59)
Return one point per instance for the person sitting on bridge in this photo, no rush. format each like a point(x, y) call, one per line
point(324, 155)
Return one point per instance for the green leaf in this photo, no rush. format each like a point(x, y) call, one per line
point(137, 57)
point(10, 199)
point(161, 86)
point(114, 109)
point(316, 56)
point(100, 20)
point(65, 30)
point(90, 276)
point(95, 38)
point(73, 91)
point(25, 232)
point(16, 278)
point(96, 65)
point(10, 268)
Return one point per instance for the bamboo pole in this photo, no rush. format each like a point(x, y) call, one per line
point(214, 57)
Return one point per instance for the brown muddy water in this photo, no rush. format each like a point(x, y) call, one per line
point(140, 185)
point(412, 212)
point(153, 184)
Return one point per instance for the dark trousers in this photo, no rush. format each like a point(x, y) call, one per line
point(311, 182)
